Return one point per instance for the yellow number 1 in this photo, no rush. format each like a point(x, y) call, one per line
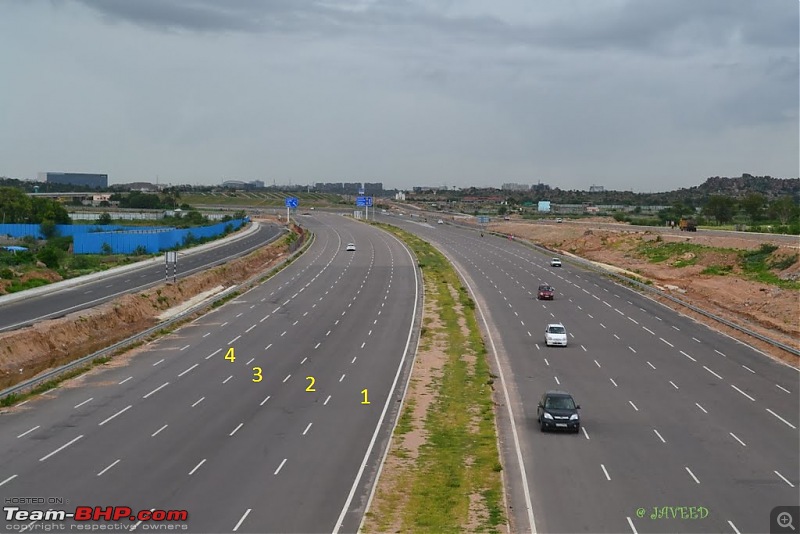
point(364, 392)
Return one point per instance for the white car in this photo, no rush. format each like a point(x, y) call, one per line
point(559, 220)
point(555, 262)
point(440, 221)
point(351, 247)
point(555, 334)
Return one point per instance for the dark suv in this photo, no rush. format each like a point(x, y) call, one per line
point(557, 410)
point(545, 292)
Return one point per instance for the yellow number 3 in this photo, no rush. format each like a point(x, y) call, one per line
point(257, 374)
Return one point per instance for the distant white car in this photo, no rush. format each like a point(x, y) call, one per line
point(555, 262)
point(440, 221)
point(351, 247)
point(559, 220)
point(555, 334)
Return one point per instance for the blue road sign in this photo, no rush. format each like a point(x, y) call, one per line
point(369, 201)
point(361, 201)
point(291, 202)
point(360, 191)
point(483, 219)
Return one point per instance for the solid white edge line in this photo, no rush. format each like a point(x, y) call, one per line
point(517, 446)
point(363, 466)
point(247, 512)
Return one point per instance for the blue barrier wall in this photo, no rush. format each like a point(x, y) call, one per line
point(67, 230)
point(151, 240)
point(89, 239)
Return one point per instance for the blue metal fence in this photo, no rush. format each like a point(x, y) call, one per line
point(91, 239)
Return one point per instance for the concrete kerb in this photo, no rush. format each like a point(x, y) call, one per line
point(207, 303)
point(81, 280)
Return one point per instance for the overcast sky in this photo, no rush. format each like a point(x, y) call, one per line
point(647, 95)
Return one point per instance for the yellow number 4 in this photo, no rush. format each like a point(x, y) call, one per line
point(257, 374)
point(230, 356)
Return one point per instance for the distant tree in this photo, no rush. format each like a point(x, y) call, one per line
point(104, 218)
point(502, 210)
point(720, 207)
point(753, 205)
point(49, 256)
point(48, 228)
point(784, 209)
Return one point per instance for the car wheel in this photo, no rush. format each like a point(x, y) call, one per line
point(541, 425)
point(578, 429)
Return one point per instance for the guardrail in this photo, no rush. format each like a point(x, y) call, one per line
point(595, 267)
point(628, 280)
point(307, 239)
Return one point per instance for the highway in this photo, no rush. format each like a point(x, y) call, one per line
point(674, 413)
point(278, 440)
point(58, 303)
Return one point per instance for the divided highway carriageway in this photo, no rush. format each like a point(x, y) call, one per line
point(269, 414)
point(675, 415)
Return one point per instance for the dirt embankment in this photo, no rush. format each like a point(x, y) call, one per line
point(27, 352)
point(710, 276)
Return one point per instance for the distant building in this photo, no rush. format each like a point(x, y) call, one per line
point(400, 195)
point(140, 186)
point(97, 181)
point(239, 184)
point(373, 189)
point(596, 188)
point(515, 187)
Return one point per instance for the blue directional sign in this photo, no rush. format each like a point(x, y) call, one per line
point(483, 219)
point(360, 191)
point(369, 201)
point(291, 202)
point(364, 201)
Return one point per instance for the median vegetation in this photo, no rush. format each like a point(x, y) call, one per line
point(442, 471)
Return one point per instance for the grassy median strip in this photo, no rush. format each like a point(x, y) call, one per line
point(442, 473)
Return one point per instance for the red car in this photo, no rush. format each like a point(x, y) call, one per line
point(546, 292)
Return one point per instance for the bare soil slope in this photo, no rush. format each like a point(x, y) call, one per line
point(686, 272)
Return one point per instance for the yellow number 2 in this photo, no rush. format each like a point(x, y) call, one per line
point(311, 385)
point(229, 355)
point(257, 374)
point(364, 392)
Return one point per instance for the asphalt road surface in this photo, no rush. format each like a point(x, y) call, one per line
point(278, 440)
point(61, 302)
point(674, 413)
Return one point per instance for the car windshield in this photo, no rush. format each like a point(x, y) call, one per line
point(560, 403)
point(557, 330)
point(545, 288)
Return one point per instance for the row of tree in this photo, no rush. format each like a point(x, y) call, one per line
point(755, 206)
point(18, 207)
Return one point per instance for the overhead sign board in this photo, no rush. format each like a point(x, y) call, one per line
point(291, 202)
point(364, 201)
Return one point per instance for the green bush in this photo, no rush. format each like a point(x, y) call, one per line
point(6, 274)
point(783, 263)
point(50, 256)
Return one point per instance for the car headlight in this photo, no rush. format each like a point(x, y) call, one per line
point(573, 417)
point(547, 415)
